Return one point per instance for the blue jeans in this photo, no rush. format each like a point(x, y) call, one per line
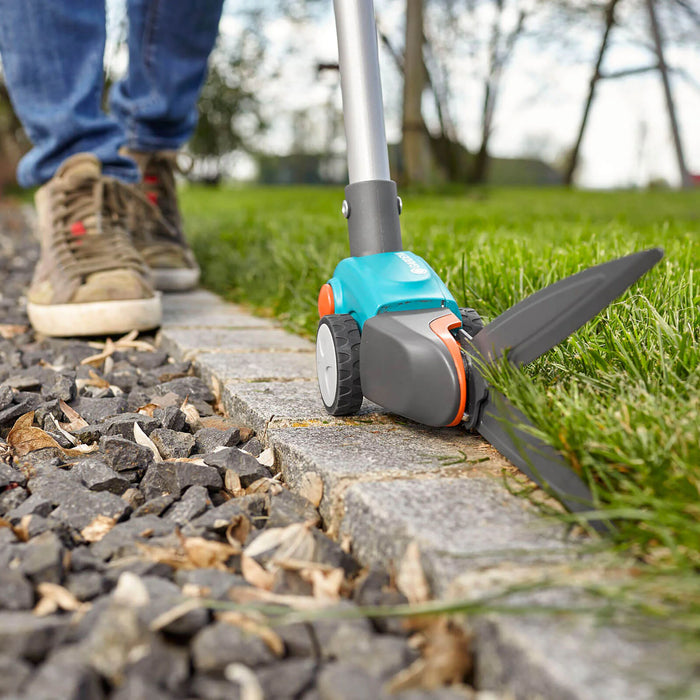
point(52, 53)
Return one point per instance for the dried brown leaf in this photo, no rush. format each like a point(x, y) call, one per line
point(446, 659)
point(208, 554)
point(326, 584)
point(238, 531)
point(232, 483)
point(21, 531)
point(267, 458)
point(311, 487)
point(254, 625)
point(142, 439)
point(98, 528)
point(25, 438)
point(148, 409)
point(55, 597)
point(255, 574)
point(9, 331)
point(73, 440)
point(75, 420)
point(191, 414)
point(281, 543)
point(411, 580)
point(264, 485)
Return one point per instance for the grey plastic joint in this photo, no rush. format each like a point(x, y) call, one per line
point(373, 217)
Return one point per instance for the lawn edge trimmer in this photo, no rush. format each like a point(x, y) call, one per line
point(391, 331)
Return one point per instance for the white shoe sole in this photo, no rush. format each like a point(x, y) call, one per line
point(96, 317)
point(181, 279)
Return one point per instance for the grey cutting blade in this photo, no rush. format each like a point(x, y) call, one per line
point(503, 426)
point(538, 323)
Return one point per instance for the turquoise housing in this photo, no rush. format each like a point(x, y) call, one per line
point(375, 284)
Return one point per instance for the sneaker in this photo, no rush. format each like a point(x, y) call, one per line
point(89, 280)
point(156, 225)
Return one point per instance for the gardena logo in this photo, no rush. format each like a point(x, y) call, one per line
point(415, 267)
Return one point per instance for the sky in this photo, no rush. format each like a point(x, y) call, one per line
point(628, 140)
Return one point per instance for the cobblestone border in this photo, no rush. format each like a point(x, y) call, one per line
point(387, 482)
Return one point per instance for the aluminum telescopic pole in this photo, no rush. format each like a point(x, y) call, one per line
point(371, 205)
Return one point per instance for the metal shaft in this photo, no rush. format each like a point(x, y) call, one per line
point(363, 109)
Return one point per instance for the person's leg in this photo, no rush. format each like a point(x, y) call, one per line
point(52, 55)
point(169, 44)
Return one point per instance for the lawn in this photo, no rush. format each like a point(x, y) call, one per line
point(620, 398)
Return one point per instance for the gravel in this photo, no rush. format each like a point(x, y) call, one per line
point(110, 543)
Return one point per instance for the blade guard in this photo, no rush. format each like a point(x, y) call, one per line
point(411, 365)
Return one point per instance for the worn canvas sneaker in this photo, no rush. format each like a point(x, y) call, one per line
point(156, 225)
point(89, 280)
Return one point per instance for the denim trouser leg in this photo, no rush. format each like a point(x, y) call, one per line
point(52, 53)
point(169, 44)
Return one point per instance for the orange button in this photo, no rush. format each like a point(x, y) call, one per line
point(326, 302)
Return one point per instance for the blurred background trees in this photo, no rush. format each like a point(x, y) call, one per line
point(460, 77)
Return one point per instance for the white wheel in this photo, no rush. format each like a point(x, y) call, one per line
point(338, 364)
point(326, 365)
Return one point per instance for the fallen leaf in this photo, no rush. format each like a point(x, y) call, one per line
point(21, 531)
point(148, 409)
point(265, 485)
point(209, 554)
point(53, 598)
point(143, 440)
point(310, 486)
point(254, 625)
point(238, 530)
point(326, 584)
point(411, 580)
point(281, 543)
point(98, 528)
point(446, 659)
point(9, 331)
point(75, 420)
point(249, 684)
point(232, 483)
point(73, 440)
point(255, 574)
point(267, 458)
point(191, 414)
point(25, 438)
point(216, 390)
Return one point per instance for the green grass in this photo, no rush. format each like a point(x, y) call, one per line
point(620, 398)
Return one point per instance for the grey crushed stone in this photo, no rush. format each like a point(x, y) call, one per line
point(107, 651)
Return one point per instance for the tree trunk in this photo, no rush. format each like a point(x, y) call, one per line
point(416, 145)
point(499, 54)
point(658, 45)
point(573, 159)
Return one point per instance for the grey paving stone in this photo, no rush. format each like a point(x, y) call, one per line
point(459, 525)
point(257, 366)
point(202, 308)
point(579, 658)
point(256, 403)
point(378, 450)
point(191, 342)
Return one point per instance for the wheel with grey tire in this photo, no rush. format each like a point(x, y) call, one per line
point(471, 321)
point(338, 364)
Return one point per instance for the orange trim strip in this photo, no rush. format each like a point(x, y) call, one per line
point(326, 302)
point(441, 327)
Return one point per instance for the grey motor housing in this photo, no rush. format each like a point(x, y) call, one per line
point(406, 368)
